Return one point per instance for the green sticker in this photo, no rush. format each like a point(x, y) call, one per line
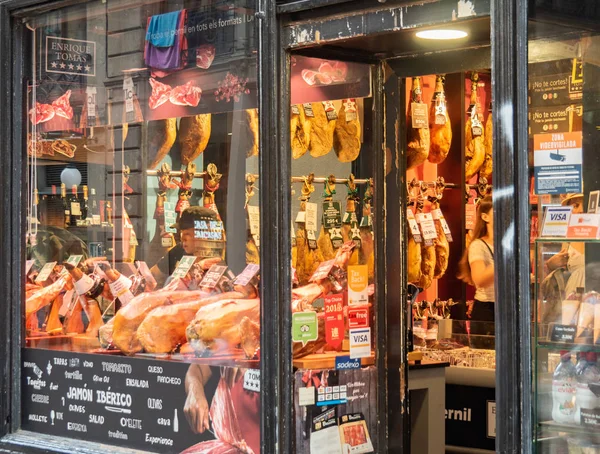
point(74, 260)
point(304, 327)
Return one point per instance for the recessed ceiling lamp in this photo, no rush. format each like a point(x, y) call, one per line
point(442, 34)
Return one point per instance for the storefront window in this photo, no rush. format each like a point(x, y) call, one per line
point(564, 188)
point(143, 226)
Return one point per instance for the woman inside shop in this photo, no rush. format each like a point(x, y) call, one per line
point(476, 267)
point(571, 256)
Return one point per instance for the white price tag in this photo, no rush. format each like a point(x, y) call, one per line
point(252, 380)
point(74, 259)
point(311, 216)
point(128, 93)
point(91, 101)
point(438, 216)
point(427, 226)
point(306, 396)
point(184, 266)
point(45, 272)
point(254, 219)
point(28, 265)
point(75, 208)
point(413, 226)
point(491, 419)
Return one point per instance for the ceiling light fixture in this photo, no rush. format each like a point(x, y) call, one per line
point(442, 34)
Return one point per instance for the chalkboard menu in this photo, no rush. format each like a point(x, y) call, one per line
point(131, 402)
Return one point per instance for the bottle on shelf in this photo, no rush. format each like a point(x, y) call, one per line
point(94, 210)
point(584, 397)
point(85, 215)
point(66, 208)
point(75, 206)
point(563, 390)
point(88, 288)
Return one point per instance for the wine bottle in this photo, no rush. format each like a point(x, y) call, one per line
point(75, 206)
point(85, 214)
point(66, 207)
point(94, 208)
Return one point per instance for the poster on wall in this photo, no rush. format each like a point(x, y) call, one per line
point(336, 411)
point(557, 160)
point(154, 406)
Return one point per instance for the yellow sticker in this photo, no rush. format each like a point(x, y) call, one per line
point(358, 283)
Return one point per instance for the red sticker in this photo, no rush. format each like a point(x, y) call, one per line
point(358, 317)
point(334, 320)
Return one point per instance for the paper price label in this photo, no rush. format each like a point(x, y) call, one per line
point(332, 215)
point(308, 110)
point(590, 417)
point(311, 216)
point(312, 239)
point(252, 380)
point(184, 266)
point(306, 396)
point(476, 126)
point(247, 275)
point(254, 219)
point(128, 93)
point(74, 260)
point(330, 110)
point(28, 265)
point(293, 236)
point(351, 109)
point(438, 216)
point(413, 226)
point(420, 119)
point(75, 208)
point(470, 216)
point(425, 220)
point(91, 101)
point(295, 110)
point(213, 276)
point(440, 110)
point(44, 273)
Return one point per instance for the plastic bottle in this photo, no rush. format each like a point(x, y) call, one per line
point(581, 363)
point(585, 398)
point(563, 390)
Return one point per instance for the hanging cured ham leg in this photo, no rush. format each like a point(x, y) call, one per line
point(439, 124)
point(474, 134)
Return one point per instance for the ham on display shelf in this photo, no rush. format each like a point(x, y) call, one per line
point(61, 107)
point(187, 94)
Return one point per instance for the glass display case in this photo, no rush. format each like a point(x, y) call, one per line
point(566, 346)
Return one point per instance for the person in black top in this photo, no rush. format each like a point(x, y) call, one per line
point(199, 229)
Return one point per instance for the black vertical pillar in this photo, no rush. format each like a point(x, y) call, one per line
point(274, 170)
point(511, 226)
point(393, 251)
